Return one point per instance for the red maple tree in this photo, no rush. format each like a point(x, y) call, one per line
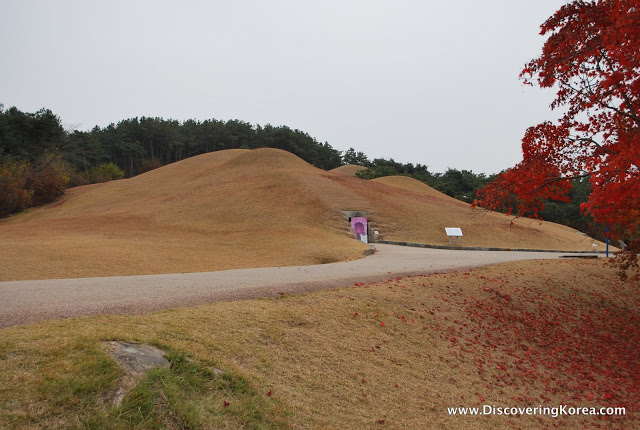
point(592, 57)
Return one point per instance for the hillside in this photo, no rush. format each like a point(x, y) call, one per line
point(348, 169)
point(431, 211)
point(242, 208)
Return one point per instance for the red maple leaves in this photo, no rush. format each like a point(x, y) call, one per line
point(574, 348)
point(592, 58)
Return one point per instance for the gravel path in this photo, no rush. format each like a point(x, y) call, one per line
point(23, 302)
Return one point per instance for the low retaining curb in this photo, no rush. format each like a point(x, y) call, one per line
point(479, 248)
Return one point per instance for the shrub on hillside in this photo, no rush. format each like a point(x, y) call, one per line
point(104, 173)
point(23, 184)
point(13, 195)
point(150, 164)
point(47, 179)
point(78, 178)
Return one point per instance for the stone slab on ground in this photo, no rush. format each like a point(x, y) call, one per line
point(136, 358)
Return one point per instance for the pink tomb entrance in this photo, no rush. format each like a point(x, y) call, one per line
point(359, 227)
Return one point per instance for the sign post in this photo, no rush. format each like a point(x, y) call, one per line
point(454, 231)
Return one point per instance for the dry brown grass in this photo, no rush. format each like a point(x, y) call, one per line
point(348, 169)
point(330, 362)
point(230, 209)
point(423, 220)
point(238, 209)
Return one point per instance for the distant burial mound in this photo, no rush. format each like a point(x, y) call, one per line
point(349, 169)
point(431, 211)
point(242, 208)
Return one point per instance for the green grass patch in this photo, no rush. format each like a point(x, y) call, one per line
point(71, 385)
point(189, 395)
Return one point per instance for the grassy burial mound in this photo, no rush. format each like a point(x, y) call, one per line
point(348, 169)
point(430, 211)
point(237, 209)
point(222, 210)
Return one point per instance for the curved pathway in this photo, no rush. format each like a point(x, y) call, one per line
point(23, 302)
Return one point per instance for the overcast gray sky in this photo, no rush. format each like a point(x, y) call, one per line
point(430, 82)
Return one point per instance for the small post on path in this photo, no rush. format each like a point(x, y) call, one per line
point(607, 241)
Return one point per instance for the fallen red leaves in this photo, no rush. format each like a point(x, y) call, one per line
point(581, 349)
point(526, 337)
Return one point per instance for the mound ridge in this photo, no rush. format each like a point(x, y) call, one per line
point(238, 209)
point(415, 185)
point(348, 169)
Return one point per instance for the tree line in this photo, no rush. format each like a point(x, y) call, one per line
point(39, 159)
point(138, 144)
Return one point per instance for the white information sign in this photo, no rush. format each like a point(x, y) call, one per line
point(453, 231)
